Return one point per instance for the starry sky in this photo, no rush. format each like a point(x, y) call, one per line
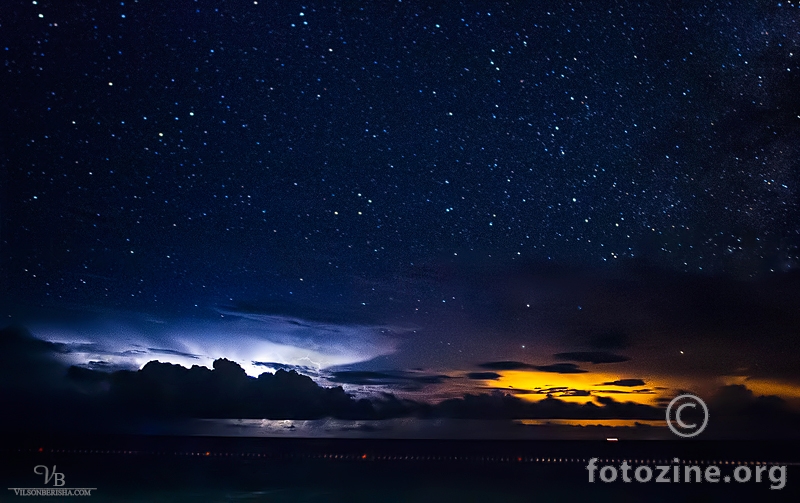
point(427, 197)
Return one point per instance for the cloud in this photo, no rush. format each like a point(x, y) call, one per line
point(164, 390)
point(555, 392)
point(499, 405)
point(624, 382)
point(577, 392)
point(643, 391)
point(130, 341)
point(100, 365)
point(273, 366)
point(27, 363)
point(92, 400)
point(483, 375)
point(172, 352)
point(591, 357)
point(560, 368)
point(408, 381)
point(735, 410)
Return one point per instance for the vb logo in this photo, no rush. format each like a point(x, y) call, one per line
point(56, 477)
point(54, 485)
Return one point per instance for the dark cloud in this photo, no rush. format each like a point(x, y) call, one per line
point(16, 342)
point(226, 391)
point(92, 374)
point(101, 350)
point(75, 347)
point(591, 357)
point(625, 382)
point(561, 368)
point(483, 375)
point(561, 391)
point(27, 363)
point(513, 391)
point(127, 352)
point(645, 391)
point(577, 392)
point(499, 405)
point(405, 380)
point(92, 399)
point(173, 352)
point(287, 366)
point(558, 391)
point(735, 411)
point(99, 365)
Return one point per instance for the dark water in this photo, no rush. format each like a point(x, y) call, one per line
point(140, 469)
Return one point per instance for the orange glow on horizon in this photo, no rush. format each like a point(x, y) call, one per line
point(537, 385)
point(593, 422)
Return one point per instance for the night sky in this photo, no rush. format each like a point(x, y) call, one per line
point(428, 199)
